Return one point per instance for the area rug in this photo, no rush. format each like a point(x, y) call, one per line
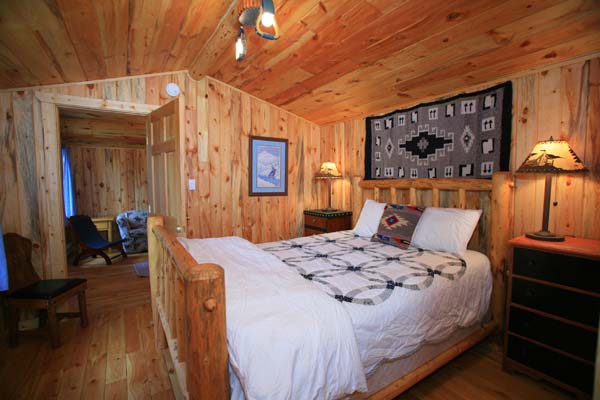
point(463, 136)
point(142, 269)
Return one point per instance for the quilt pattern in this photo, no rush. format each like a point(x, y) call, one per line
point(464, 136)
point(353, 269)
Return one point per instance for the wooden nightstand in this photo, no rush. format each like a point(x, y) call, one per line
point(552, 312)
point(322, 221)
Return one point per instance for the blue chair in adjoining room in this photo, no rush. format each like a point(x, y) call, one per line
point(91, 243)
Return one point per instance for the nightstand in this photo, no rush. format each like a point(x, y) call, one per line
point(553, 306)
point(323, 221)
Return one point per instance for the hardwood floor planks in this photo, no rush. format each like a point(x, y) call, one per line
point(114, 358)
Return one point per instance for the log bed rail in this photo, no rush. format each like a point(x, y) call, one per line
point(188, 299)
point(188, 307)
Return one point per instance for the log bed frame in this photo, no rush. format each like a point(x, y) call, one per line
point(188, 299)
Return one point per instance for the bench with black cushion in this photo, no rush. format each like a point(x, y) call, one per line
point(28, 291)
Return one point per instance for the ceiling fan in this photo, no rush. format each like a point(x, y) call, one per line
point(261, 15)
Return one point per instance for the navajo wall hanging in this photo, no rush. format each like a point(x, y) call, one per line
point(463, 136)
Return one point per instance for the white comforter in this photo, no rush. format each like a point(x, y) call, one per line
point(408, 319)
point(286, 338)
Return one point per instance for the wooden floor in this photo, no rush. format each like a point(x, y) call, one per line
point(114, 357)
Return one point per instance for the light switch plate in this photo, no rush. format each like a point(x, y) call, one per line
point(191, 184)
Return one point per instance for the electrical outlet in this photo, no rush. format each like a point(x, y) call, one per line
point(191, 184)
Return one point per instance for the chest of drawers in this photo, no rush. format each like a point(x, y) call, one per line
point(553, 306)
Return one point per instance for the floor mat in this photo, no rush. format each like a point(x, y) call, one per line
point(142, 269)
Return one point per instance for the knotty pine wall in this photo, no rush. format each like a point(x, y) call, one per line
point(224, 207)
point(218, 121)
point(562, 102)
point(108, 181)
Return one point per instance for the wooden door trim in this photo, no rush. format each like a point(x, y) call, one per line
point(87, 103)
point(48, 166)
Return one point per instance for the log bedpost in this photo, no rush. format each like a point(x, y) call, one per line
point(188, 307)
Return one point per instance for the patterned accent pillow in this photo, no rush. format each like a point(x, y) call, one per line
point(397, 225)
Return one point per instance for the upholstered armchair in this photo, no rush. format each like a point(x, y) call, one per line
point(132, 227)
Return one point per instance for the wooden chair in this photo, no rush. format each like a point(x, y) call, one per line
point(91, 243)
point(28, 291)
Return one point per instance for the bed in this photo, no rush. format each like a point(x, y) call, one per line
point(352, 352)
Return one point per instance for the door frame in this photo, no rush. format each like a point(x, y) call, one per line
point(48, 169)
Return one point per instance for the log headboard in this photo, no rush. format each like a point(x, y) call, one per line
point(492, 196)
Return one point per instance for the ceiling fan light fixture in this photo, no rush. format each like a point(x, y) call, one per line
point(266, 18)
point(240, 45)
point(248, 12)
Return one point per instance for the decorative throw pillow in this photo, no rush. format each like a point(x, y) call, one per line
point(397, 225)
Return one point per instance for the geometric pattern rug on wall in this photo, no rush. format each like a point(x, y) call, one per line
point(466, 136)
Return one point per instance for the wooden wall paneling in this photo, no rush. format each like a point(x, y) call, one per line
point(545, 103)
point(549, 124)
point(109, 180)
point(9, 205)
point(192, 158)
point(291, 123)
point(526, 105)
point(237, 175)
point(225, 126)
point(591, 192)
point(214, 126)
point(49, 177)
point(203, 173)
point(22, 112)
point(247, 203)
point(574, 94)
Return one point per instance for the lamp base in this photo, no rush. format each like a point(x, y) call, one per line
point(545, 235)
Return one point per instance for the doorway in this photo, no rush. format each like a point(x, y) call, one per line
point(105, 178)
point(47, 143)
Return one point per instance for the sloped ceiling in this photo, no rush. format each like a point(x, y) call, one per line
point(335, 59)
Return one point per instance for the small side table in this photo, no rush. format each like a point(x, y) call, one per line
point(325, 221)
point(105, 224)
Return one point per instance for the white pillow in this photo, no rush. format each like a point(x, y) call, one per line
point(445, 229)
point(369, 218)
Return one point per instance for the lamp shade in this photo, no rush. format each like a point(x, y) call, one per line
point(552, 157)
point(328, 171)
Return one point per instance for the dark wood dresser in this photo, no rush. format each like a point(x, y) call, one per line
point(324, 221)
point(553, 305)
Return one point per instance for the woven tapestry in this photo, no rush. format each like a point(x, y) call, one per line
point(464, 136)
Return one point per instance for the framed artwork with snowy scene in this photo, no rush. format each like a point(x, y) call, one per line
point(268, 166)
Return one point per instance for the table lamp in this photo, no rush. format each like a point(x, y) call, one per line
point(329, 171)
point(550, 157)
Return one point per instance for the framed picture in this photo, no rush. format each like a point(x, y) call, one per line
point(268, 166)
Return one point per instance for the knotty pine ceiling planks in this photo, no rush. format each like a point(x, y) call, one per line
point(335, 60)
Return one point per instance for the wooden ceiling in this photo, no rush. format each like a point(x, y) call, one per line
point(102, 129)
point(336, 59)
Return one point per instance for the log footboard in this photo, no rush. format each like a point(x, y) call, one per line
point(188, 310)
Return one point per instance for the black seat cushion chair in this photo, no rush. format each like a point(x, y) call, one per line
point(28, 291)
